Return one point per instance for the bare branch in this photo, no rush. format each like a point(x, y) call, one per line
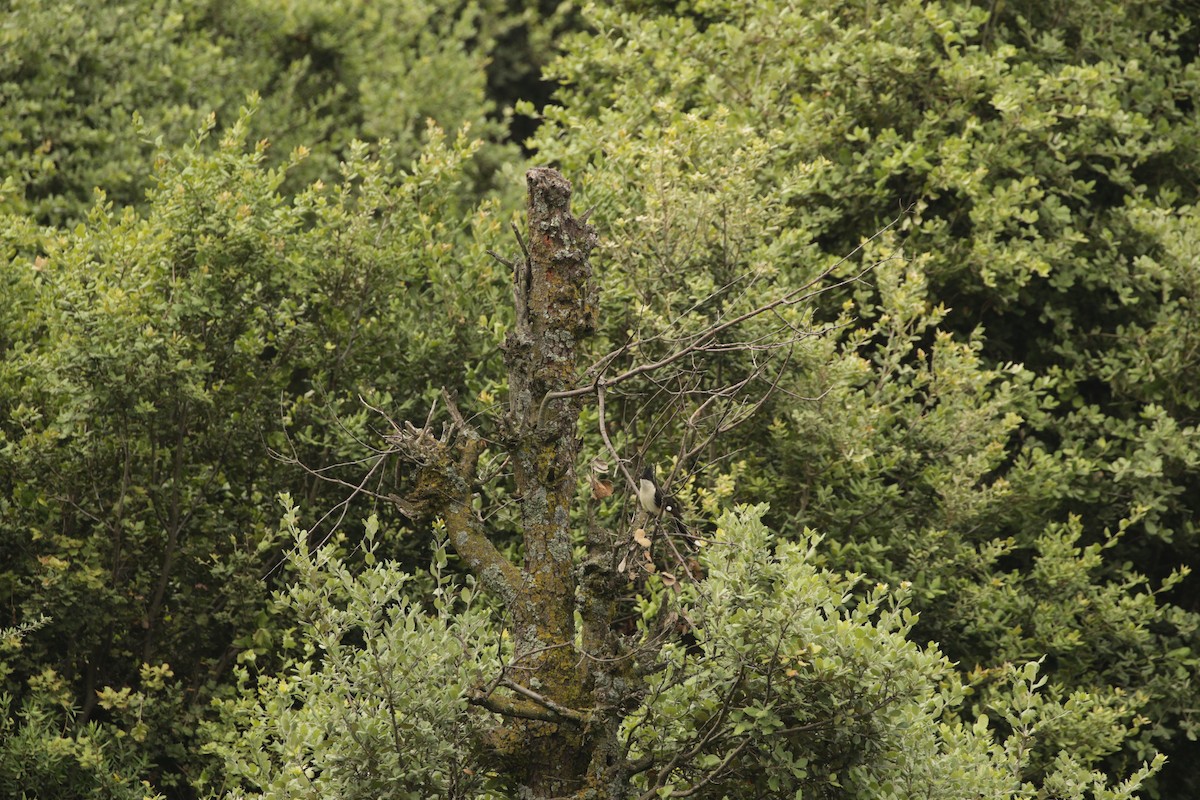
point(714, 772)
point(505, 261)
point(630, 482)
point(722, 427)
point(521, 241)
point(513, 707)
point(702, 338)
point(562, 711)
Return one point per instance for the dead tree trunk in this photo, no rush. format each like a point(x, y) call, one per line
point(565, 693)
point(555, 301)
point(546, 693)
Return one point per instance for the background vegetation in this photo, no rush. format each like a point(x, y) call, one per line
point(226, 226)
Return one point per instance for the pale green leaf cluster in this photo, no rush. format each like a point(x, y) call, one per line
point(374, 704)
point(807, 683)
point(41, 758)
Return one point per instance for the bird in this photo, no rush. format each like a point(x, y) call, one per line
point(652, 498)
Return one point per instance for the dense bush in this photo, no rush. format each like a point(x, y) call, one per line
point(88, 89)
point(982, 393)
point(154, 363)
point(805, 683)
point(1008, 426)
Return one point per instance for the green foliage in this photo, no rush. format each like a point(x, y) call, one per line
point(1020, 374)
point(992, 404)
point(374, 701)
point(804, 681)
point(334, 73)
point(73, 79)
point(43, 754)
point(153, 361)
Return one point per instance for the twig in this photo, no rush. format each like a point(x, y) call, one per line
point(560, 710)
point(701, 338)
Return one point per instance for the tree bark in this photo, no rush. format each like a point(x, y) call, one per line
point(555, 300)
point(562, 711)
